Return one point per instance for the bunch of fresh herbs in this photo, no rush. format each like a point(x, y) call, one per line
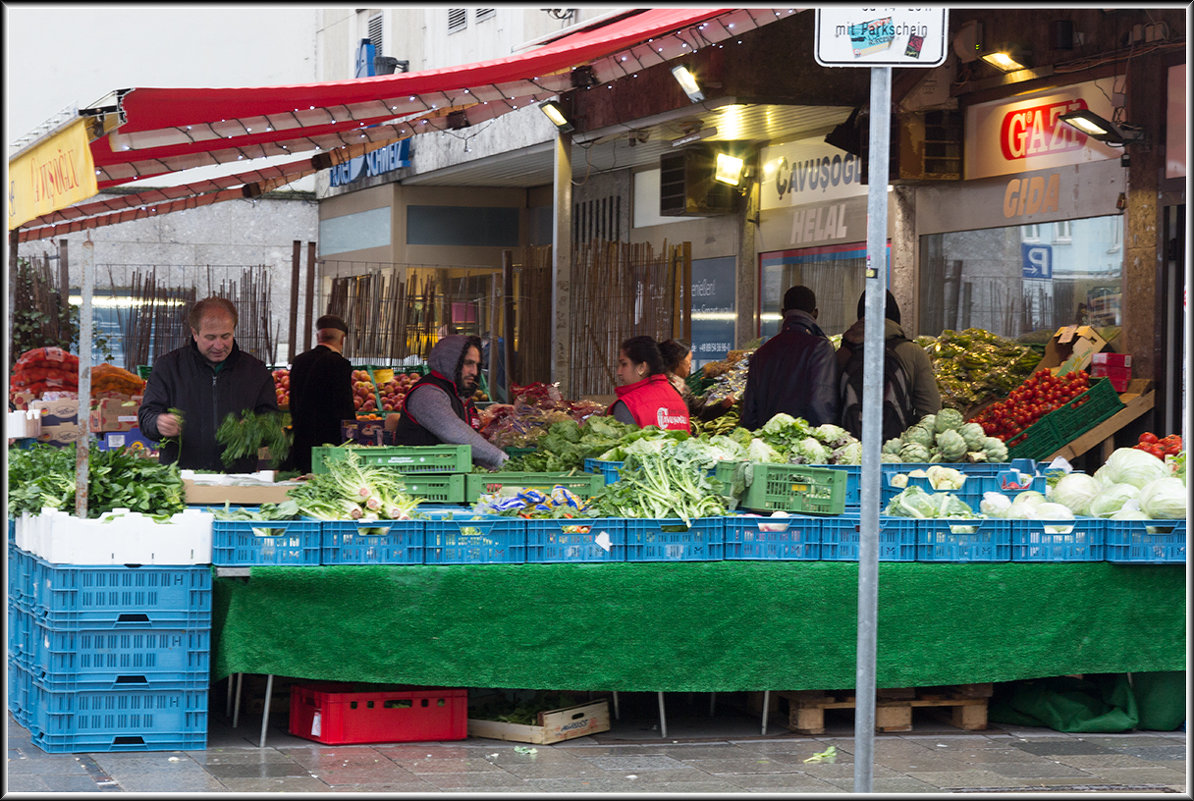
point(244, 435)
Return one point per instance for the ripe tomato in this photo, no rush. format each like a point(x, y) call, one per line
point(1148, 437)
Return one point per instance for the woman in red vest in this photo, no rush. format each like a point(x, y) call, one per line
point(645, 396)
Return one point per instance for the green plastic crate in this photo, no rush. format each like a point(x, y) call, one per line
point(582, 484)
point(404, 458)
point(143, 371)
point(791, 488)
point(1067, 422)
point(435, 487)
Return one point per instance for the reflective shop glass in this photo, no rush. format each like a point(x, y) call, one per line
point(1024, 278)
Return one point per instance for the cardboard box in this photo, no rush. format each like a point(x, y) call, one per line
point(112, 414)
point(554, 725)
point(219, 494)
point(21, 400)
point(57, 412)
point(132, 439)
point(363, 432)
point(1071, 348)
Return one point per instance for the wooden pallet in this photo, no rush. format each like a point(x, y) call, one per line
point(805, 709)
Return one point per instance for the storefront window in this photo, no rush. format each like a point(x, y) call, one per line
point(835, 273)
point(1012, 281)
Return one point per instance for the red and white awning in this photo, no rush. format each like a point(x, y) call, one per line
point(164, 131)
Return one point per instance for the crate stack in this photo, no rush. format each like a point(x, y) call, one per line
point(109, 657)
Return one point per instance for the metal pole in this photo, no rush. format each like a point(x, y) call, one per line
point(872, 429)
point(296, 251)
point(83, 445)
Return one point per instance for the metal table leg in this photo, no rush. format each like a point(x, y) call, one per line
point(236, 706)
point(712, 703)
point(228, 705)
point(269, 689)
point(766, 699)
point(662, 717)
point(617, 715)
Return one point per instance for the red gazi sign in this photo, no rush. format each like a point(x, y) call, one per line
point(1038, 130)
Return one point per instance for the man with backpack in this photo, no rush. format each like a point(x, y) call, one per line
point(795, 371)
point(909, 387)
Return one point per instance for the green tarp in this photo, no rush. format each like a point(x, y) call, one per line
point(697, 626)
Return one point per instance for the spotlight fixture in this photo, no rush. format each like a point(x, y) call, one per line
point(729, 169)
point(1098, 128)
point(1009, 58)
point(458, 119)
point(688, 83)
point(556, 114)
point(694, 136)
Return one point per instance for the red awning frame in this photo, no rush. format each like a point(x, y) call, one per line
point(166, 131)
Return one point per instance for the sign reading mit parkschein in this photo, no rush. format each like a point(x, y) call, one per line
point(880, 37)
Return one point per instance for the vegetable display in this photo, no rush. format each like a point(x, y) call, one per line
point(975, 367)
point(282, 387)
point(661, 485)
point(944, 437)
point(350, 490)
point(534, 409)
point(364, 394)
point(1040, 394)
point(1160, 447)
point(108, 380)
point(44, 476)
point(915, 502)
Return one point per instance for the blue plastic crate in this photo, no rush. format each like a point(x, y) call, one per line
point(117, 656)
point(166, 719)
point(266, 542)
point(66, 594)
point(576, 540)
point(1155, 542)
point(759, 537)
point(610, 471)
point(954, 540)
point(972, 490)
point(854, 475)
point(20, 632)
point(19, 685)
point(20, 575)
point(375, 542)
point(1082, 539)
point(459, 539)
point(670, 539)
point(840, 538)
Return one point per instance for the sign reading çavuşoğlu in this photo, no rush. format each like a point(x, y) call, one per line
point(51, 176)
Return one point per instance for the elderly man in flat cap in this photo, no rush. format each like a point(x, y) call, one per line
point(320, 392)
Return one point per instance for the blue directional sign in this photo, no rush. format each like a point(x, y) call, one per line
point(1036, 261)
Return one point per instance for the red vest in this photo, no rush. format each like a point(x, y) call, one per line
point(655, 402)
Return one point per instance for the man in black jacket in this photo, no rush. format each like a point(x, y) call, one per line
point(207, 379)
point(795, 371)
point(320, 392)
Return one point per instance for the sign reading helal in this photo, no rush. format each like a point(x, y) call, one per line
point(880, 37)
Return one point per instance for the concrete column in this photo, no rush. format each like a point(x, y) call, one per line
point(1143, 250)
point(561, 267)
point(746, 285)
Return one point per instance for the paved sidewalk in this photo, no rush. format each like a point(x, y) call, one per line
point(721, 754)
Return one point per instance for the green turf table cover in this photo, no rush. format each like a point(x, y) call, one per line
point(697, 626)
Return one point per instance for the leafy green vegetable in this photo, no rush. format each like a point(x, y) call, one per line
point(350, 490)
point(915, 502)
point(243, 436)
point(658, 485)
point(44, 476)
point(177, 438)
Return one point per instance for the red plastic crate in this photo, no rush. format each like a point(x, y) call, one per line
point(337, 713)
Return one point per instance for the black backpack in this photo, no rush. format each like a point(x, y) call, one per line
point(898, 412)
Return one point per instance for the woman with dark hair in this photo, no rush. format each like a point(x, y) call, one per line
point(645, 396)
point(677, 359)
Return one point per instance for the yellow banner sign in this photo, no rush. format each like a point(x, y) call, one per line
point(51, 176)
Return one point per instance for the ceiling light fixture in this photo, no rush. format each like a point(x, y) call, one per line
point(1098, 128)
point(688, 83)
point(1010, 58)
point(695, 136)
point(556, 114)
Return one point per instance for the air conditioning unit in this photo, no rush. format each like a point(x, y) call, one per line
point(687, 188)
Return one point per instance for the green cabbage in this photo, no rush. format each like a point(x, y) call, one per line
point(915, 502)
point(995, 450)
point(1163, 499)
point(1130, 466)
point(948, 420)
point(951, 444)
point(973, 435)
point(918, 435)
point(1075, 491)
point(809, 451)
point(1111, 499)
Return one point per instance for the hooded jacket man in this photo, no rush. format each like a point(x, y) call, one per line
point(207, 379)
point(439, 408)
point(794, 372)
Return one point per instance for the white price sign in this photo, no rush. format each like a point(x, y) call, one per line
point(881, 37)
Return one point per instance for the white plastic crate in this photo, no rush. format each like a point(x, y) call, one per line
point(119, 537)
